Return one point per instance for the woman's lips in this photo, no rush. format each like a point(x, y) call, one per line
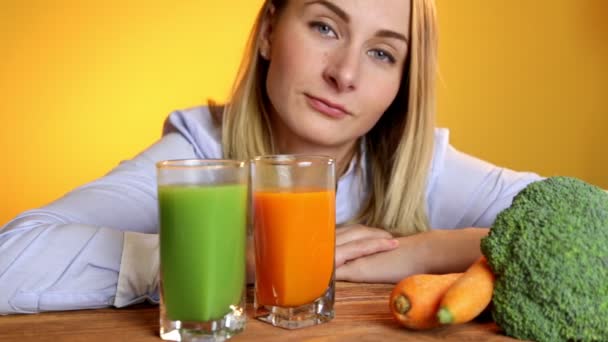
point(326, 107)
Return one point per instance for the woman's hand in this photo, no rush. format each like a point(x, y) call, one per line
point(352, 242)
point(435, 251)
point(356, 241)
point(385, 267)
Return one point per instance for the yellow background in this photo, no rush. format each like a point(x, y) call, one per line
point(85, 84)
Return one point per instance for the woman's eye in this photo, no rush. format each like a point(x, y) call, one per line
point(382, 56)
point(323, 29)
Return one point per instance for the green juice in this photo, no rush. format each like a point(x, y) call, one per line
point(202, 249)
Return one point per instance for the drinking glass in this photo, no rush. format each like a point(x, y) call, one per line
point(203, 216)
point(293, 200)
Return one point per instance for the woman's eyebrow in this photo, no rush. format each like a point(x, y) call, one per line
point(391, 34)
point(344, 16)
point(332, 7)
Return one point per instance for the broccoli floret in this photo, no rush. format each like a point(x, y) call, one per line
point(549, 252)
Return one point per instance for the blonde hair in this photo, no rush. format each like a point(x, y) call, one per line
point(399, 147)
point(246, 131)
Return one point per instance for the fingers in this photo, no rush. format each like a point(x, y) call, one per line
point(365, 270)
point(359, 248)
point(386, 267)
point(353, 271)
point(359, 232)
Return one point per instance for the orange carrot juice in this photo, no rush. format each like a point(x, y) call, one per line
point(294, 243)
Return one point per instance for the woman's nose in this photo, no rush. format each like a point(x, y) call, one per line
point(342, 70)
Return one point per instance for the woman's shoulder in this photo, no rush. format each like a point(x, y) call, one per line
point(449, 160)
point(441, 144)
point(453, 164)
point(200, 126)
point(465, 191)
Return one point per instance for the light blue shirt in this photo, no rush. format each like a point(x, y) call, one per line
point(97, 246)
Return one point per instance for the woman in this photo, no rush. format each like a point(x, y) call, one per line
point(350, 79)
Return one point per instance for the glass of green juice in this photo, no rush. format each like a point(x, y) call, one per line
point(203, 208)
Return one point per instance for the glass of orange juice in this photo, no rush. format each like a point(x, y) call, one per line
point(294, 233)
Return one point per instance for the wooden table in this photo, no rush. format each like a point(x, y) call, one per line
point(361, 315)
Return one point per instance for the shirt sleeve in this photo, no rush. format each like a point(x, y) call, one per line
point(68, 255)
point(469, 192)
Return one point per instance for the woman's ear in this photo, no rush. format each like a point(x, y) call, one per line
point(266, 32)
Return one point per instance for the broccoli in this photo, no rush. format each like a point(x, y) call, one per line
point(549, 252)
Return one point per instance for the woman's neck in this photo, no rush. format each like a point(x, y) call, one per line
point(341, 154)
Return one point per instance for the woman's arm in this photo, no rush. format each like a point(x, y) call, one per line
point(94, 247)
point(463, 192)
point(435, 251)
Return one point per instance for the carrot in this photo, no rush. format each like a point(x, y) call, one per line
point(415, 299)
point(469, 295)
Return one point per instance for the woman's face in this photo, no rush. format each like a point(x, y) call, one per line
point(335, 67)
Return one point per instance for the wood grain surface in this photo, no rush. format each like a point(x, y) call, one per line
point(362, 314)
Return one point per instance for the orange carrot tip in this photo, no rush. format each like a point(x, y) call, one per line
point(402, 304)
point(415, 299)
point(468, 296)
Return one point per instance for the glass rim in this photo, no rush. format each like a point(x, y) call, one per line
point(200, 163)
point(288, 159)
